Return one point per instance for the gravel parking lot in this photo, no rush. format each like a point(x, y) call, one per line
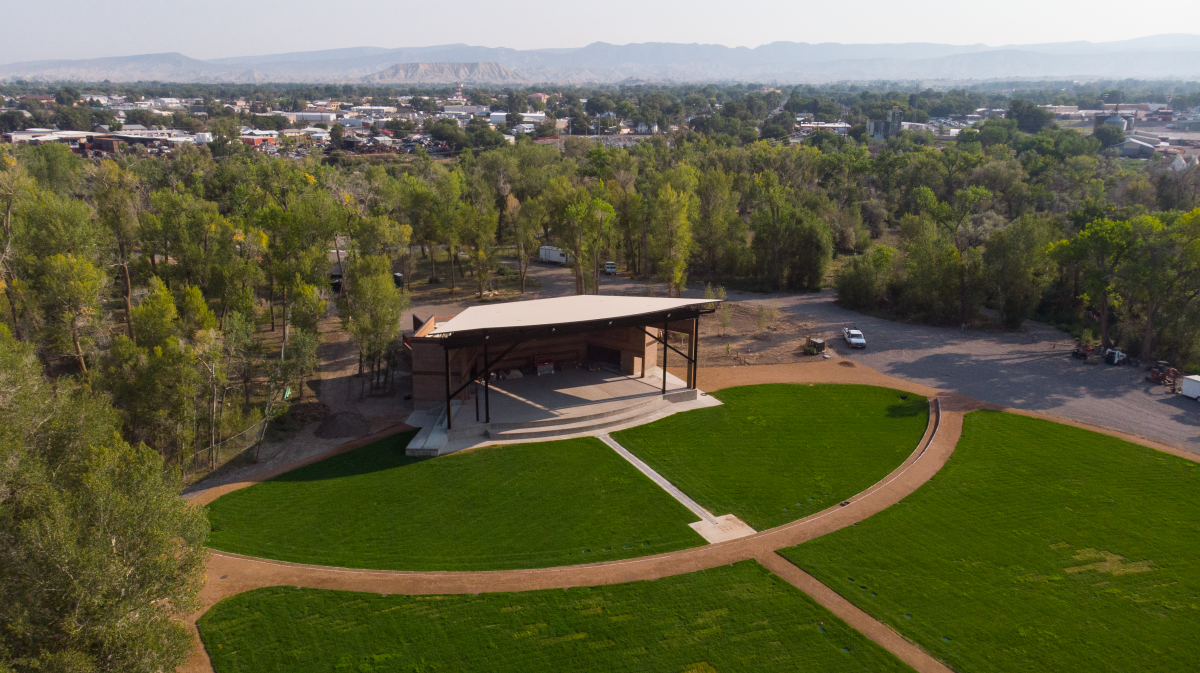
point(1030, 370)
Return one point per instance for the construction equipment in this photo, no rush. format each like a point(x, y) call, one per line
point(1163, 374)
point(1114, 356)
point(814, 346)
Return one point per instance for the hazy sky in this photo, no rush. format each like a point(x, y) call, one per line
point(215, 28)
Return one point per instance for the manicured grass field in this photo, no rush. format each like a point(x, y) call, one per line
point(1038, 547)
point(779, 452)
point(515, 506)
point(730, 618)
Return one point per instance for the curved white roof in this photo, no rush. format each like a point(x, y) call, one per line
point(559, 310)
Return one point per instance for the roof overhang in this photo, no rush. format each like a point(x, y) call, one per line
point(563, 316)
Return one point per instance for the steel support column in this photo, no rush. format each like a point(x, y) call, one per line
point(487, 385)
point(449, 408)
point(695, 351)
point(666, 342)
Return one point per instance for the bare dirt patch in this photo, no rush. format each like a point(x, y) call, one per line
point(343, 424)
point(756, 336)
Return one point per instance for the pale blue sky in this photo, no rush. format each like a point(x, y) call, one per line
point(215, 28)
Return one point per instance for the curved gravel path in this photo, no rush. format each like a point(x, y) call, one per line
point(230, 574)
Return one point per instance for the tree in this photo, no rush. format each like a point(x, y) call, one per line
point(1109, 135)
point(156, 320)
point(371, 309)
point(771, 222)
point(307, 307)
point(673, 237)
point(243, 352)
point(1099, 248)
point(1018, 268)
point(100, 554)
point(194, 313)
point(581, 227)
point(15, 184)
point(1161, 268)
point(479, 232)
point(861, 283)
point(717, 224)
point(67, 95)
point(1030, 118)
point(117, 202)
point(529, 221)
point(302, 349)
point(336, 133)
point(964, 232)
point(69, 291)
point(810, 247)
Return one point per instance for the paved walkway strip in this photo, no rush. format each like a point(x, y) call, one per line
point(659, 479)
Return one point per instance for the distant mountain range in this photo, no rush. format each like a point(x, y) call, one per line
point(421, 73)
point(1160, 56)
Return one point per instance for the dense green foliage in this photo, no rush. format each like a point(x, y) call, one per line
point(512, 506)
point(151, 279)
point(775, 453)
point(730, 618)
point(98, 554)
point(1038, 546)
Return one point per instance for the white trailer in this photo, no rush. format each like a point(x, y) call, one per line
point(552, 255)
point(1191, 386)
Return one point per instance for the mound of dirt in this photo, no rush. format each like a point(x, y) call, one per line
point(343, 424)
point(306, 412)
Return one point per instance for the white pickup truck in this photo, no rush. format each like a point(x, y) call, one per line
point(854, 338)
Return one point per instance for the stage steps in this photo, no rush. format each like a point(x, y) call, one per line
point(573, 426)
point(433, 438)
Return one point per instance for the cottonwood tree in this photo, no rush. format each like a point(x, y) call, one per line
point(529, 222)
point(15, 183)
point(1100, 248)
point(117, 198)
point(479, 232)
point(69, 291)
point(371, 309)
point(673, 238)
point(100, 555)
point(302, 350)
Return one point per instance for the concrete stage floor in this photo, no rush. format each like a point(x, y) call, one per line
point(563, 396)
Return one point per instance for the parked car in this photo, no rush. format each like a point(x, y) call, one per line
point(854, 338)
point(610, 268)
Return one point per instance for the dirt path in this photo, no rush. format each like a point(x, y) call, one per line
point(230, 574)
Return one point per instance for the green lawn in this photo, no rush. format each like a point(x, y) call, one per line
point(780, 452)
point(1038, 547)
point(730, 618)
point(515, 506)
